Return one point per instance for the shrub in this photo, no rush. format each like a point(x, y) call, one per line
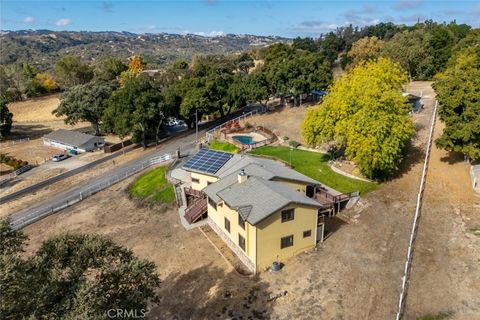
point(12, 162)
point(248, 125)
point(294, 144)
point(285, 138)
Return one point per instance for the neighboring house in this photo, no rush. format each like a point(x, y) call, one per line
point(72, 140)
point(259, 207)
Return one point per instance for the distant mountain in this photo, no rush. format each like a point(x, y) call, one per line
point(43, 48)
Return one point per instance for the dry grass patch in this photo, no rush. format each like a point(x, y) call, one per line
point(35, 110)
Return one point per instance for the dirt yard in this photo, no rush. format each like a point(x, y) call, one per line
point(285, 121)
point(35, 110)
point(355, 274)
point(33, 151)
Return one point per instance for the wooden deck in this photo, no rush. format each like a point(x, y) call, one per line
point(196, 210)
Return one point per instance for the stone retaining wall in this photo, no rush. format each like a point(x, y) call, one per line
point(236, 249)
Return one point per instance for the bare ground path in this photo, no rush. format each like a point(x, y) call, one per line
point(445, 276)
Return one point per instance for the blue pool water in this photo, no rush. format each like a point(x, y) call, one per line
point(244, 139)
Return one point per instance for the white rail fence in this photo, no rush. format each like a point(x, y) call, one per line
point(13, 142)
point(210, 134)
point(413, 234)
point(4, 179)
point(69, 200)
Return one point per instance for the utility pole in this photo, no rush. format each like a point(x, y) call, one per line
point(291, 156)
point(196, 126)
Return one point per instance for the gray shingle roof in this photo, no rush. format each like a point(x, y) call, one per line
point(73, 138)
point(266, 168)
point(257, 198)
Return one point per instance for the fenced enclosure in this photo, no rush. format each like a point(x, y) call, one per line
point(210, 134)
point(81, 193)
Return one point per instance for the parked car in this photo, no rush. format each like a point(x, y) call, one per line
point(59, 157)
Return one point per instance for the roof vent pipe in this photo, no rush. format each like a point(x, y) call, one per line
point(242, 176)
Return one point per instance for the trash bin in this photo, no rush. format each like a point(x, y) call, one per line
point(276, 266)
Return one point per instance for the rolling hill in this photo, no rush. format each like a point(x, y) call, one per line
point(43, 48)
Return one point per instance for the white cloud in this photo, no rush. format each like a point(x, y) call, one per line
point(205, 34)
point(63, 22)
point(315, 26)
point(29, 19)
point(211, 34)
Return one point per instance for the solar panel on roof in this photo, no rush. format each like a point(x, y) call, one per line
point(208, 161)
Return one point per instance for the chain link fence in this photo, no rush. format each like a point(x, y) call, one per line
point(42, 212)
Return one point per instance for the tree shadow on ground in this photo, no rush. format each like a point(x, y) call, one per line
point(414, 155)
point(22, 131)
point(211, 293)
point(453, 158)
point(332, 225)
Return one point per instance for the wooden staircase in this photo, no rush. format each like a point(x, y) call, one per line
point(196, 210)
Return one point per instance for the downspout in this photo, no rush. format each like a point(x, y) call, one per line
point(256, 250)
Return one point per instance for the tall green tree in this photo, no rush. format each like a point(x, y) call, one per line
point(109, 68)
point(244, 62)
point(6, 119)
point(257, 88)
point(72, 71)
point(9, 90)
point(412, 49)
point(291, 71)
point(85, 102)
point(71, 276)
point(366, 115)
point(367, 48)
point(458, 94)
point(136, 108)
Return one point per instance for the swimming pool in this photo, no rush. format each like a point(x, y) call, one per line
point(244, 139)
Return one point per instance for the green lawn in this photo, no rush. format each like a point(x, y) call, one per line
point(153, 186)
point(315, 165)
point(223, 146)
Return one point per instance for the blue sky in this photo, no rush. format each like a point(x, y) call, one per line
point(216, 17)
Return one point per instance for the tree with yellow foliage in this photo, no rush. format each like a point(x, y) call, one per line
point(366, 115)
point(136, 64)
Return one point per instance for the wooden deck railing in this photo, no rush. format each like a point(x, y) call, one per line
point(195, 193)
point(324, 194)
point(196, 210)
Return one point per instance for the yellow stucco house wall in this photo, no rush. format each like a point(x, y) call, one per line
point(200, 181)
point(263, 241)
point(260, 191)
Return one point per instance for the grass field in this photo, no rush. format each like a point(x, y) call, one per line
point(223, 146)
point(153, 186)
point(315, 165)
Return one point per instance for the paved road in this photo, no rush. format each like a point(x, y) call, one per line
point(185, 142)
point(44, 183)
point(35, 212)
